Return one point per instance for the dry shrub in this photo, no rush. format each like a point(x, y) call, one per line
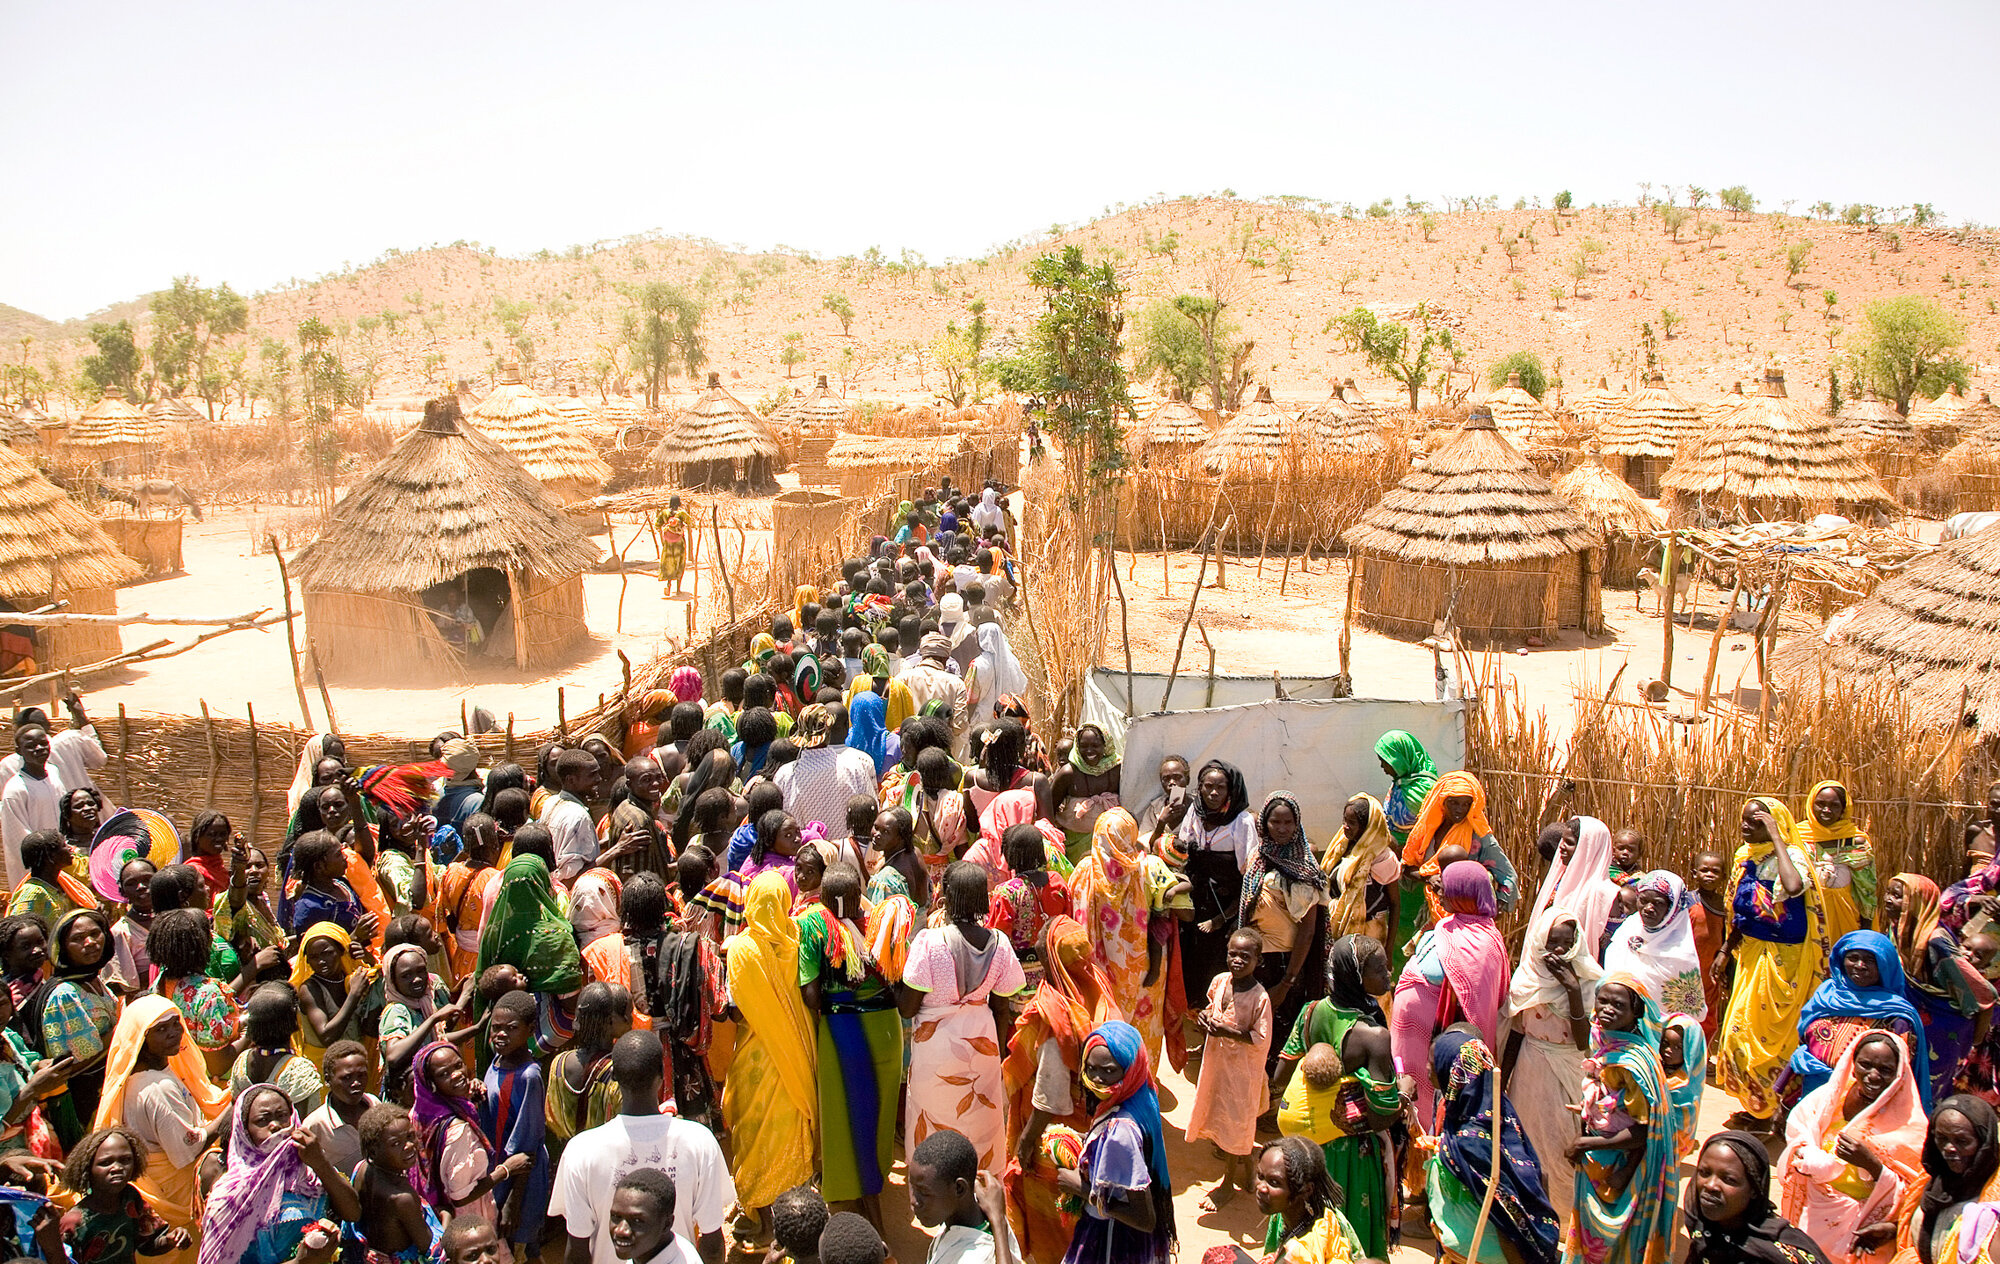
point(1067, 596)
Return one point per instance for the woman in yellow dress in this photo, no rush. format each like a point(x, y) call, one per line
point(670, 529)
point(771, 1100)
point(156, 1084)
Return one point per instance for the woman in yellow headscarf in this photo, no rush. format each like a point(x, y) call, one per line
point(1454, 815)
point(771, 1100)
point(1363, 865)
point(1845, 860)
point(1777, 937)
point(1115, 890)
point(331, 980)
point(156, 1084)
point(805, 595)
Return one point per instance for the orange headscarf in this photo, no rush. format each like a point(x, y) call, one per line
point(1074, 996)
point(119, 1063)
point(1111, 874)
point(1912, 932)
point(1423, 841)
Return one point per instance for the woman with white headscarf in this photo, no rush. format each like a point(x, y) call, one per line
point(1548, 1038)
point(994, 673)
point(319, 746)
point(1580, 881)
point(987, 513)
point(1657, 945)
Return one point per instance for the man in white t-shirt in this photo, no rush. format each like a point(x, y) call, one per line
point(75, 753)
point(32, 800)
point(567, 814)
point(639, 1136)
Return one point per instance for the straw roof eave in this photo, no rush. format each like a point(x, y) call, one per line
point(551, 446)
point(717, 427)
point(48, 544)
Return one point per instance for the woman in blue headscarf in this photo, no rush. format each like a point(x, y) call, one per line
point(1866, 992)
point(1128, 1212)
point(868, 730)
point(1458, 1175)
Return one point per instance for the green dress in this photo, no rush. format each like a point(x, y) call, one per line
point(1356, 1163)
point(860, 1068)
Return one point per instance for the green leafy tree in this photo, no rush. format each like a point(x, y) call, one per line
point(1822, 210)
point(663, 331)
point(1563, 201)
point(842, 309)
point(1670, 320)
point(1406, 356)
point(790, 352)
point(1795, 259)
point(188, 321)
point(325, 387)
point(1674, 217)
point(953, 352)
point(1908, 346)
point(1169, 349)
point(1736, 200)
point(1577, 269)
point(1534, 378)
point(116, 362)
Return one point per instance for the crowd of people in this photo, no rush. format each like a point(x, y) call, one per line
point(715, 975)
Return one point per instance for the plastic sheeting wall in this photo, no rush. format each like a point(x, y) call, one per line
point(1318, 747)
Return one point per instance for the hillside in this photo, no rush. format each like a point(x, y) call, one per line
point(426, 317)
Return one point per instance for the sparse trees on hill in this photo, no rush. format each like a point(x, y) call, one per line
point(662, 331)
point(117, 360)
point(1908, 346)
point(1404, 355)
point(1563, 201)
point(1795, 259)
point(1674, 217)
point(1736, 200)
point(790, 352)
point(842, 309)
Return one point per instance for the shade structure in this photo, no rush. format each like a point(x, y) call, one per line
point(720, 439)
point(1772, 458)
point(1520, 416)
point(547, 444)
point(1340, 426)
point(1645, 432)
point(51, 550)
point(1172, 429)
point(113, 428)
point(1931, 633)
point(1477, 538)
point(1624, 521)
point(1260, 436)
point(448, 516)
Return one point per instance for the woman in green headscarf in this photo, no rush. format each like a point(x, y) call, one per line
point(1087, 788)
point(1411, 776)
point(527, 930)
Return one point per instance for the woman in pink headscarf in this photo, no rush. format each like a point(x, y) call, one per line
point(1003, 812)
point(1457, 973)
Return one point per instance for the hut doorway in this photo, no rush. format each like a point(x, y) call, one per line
point(19, 653)
point(473, 612)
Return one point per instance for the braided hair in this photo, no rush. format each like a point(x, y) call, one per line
point(1313, 1189)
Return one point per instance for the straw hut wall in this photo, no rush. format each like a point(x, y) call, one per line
point(447, 505)
point(720, 440)
point(1640, 439)
point(1613, 510)
point(111, 428)
point(1966, 478)
point(1520, 416)
point(865, 463)
point(1772, 459)
point(1171, 430)
point(1339, 426)
point(1932, 633)
point(1477, 537)
point(51, 550)
point(549, 445)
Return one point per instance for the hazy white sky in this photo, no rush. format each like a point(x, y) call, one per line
point(254, 142)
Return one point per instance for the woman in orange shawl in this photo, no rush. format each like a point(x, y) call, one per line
point(156, 1083)
point(1039, 1076)
point(1454, 815)
point(1852, 1146)
point(1115, 890)
point(771, 1101)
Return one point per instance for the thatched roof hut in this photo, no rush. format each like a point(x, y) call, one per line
point(1646, 431)
point(112, 428)
point(820, 410)
point(718, 436)
point(552, 448)
point(1594, 406)
point(1773, 458)
point(1476, 536)
point(574, 409)
point(1940, 422)
point(1932, 633)
point(621, 410)
point(1339, 426)
point(448, 522)
point(176, 410)
point(51, 549)
point(1253, 441)
point(22, 425)
point(1722, 405)
point(866, 463)
point(1172, 429)
point(1520, 416)
point(1624, 521)
point(1869, 421)
point(1351, 395)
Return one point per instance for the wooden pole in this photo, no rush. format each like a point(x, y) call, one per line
point(208, 738)
point(562, 716)
point(124, 756)
point(319, 678)
point(464, 724)
point(1201, 629)
point(722, 566)
point(510, 739)
point(1715, 644)
point(1124, 618)
point(1194, 599)
point(1670, 555)
point(1347, 622)
point(256, 778)
point(291, 636)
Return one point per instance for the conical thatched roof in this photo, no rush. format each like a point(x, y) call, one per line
point(1476, 500)
point(1872, 422)
point(175, 410)
point(717, 427)
point(1939, 422)
point(1727, 402)
point(1594, 406)
point(1520, 416)
point(1351, 395)
point(575, 410)
point(822, 409)
point(1653, 422)
point(1774, 453)
point(447, 500)
point(47, 542)
point(112, 427)
point(22, 424)
point(1610, 506)
point(540, 438)
point(1341, 427)
point(906, 452)
point(1933, 631)
point(621, 410)
point(1174, 426)
point(1981, 444)
point(1260, 435)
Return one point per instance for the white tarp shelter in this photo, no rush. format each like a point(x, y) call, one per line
point(1319, 747)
